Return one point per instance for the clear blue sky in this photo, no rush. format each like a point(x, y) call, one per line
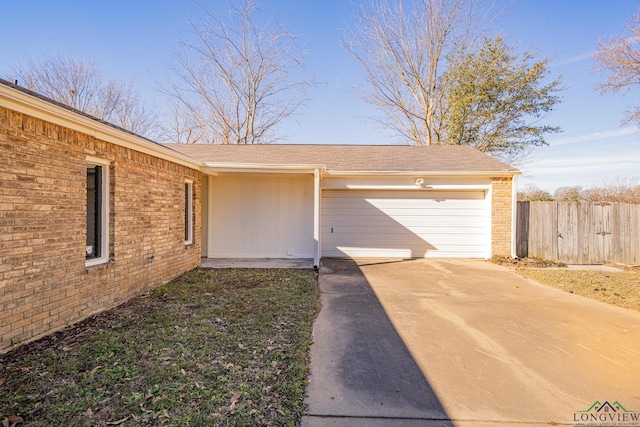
point(136, 40)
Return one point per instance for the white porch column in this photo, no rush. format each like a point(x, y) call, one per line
point(317, 201)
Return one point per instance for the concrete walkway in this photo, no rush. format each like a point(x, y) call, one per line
point(362, 374)
point(463, 343)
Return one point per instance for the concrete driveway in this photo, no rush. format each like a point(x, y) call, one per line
point(465, 343)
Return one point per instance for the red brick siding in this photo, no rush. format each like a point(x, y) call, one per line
point(44, 284)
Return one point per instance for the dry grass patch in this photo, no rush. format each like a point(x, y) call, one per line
point(530, 262)
point(212, 348)
point(622, 289)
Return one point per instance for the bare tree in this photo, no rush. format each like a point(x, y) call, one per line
point(81, 85)
point(619, 59)
point(182, 128)
point(239, 79)
point(405, 52)
point(438, 79)
point(531, 193)
point(568, 194)
point(621, 190)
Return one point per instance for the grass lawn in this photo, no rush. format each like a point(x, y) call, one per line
point(622, 289)
point(212, 348)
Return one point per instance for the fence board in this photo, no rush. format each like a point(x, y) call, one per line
point(543, 241)
point(568, 233)
point(579, 232)
point(522, 229)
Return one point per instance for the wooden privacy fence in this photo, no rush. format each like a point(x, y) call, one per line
point(579, 232)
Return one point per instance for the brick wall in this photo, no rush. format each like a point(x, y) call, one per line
point(501, 216)
point(44, 284)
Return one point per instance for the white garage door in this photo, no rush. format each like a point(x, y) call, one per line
point(408, 224)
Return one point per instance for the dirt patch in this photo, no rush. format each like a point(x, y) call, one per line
point(529, 262)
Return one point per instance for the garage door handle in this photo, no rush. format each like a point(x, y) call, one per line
point(332, 229)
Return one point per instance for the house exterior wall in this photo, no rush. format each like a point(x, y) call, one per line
point(501, 216)
point(44, 283)
point(261, 216)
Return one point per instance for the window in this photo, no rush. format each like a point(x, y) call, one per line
point(97, 248)
point(188, 212)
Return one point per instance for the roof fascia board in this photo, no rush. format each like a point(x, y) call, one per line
point(424, 173)
point(259, 168)
point(20, 102)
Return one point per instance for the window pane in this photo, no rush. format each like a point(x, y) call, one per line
point(94, 210)
point(188, 212)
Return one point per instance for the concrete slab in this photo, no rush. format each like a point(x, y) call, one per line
point(256, 263)
point(316, 421)
point(310, 421)
point(463, 343)
point(360, 368)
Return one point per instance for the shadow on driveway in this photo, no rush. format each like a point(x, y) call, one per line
point(361, 371)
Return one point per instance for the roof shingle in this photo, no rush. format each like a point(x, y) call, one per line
point(350, 158)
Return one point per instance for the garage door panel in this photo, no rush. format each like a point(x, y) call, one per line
point(449, 239)
point(401, 212)
point(418, 230)
point(347, 216)
point(377, 252)
point(401, 204)
point(402, 194)
point(404, 223)
point(374, 212)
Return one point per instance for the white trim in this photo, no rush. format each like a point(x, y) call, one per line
point(21, 102)
point(514, 216)
point(436, 187)
point(488, 197)
point(210, 167)
point(188, 226)
point(486, 174)
point(317, 209)
point(104, 230)
point(210, 219)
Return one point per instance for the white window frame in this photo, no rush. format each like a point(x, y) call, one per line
point(104, 226)
point(188, 212)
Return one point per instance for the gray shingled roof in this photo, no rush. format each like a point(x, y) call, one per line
point(350, 158)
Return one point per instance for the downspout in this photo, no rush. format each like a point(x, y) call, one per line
point(514, 216)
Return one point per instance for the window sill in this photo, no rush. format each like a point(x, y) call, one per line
point(99, 265)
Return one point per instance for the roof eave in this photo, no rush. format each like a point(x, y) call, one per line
point(496, 173)
point(219, 167)
point(21, 102)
